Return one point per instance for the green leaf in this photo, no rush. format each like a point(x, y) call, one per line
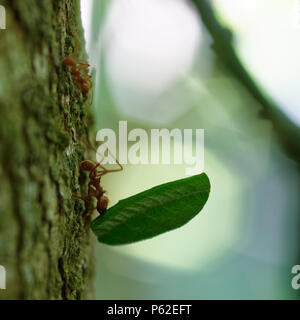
point(152, 212)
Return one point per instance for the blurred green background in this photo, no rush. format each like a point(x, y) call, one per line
point(155, 68)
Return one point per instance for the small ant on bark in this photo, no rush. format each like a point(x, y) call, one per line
point(95, 190)
point(82, 81)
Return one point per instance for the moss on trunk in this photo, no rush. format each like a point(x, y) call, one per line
point(42, 116)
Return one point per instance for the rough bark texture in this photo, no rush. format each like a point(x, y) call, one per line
point(42, 116)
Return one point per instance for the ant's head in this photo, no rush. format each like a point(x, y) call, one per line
point(69, 62)
point(87, 165)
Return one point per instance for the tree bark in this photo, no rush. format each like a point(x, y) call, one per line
point(43, 115)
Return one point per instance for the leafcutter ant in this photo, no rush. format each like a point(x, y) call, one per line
point(82, 81)
point(96, 171)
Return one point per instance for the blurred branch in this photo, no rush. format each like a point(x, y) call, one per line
point(287, 132)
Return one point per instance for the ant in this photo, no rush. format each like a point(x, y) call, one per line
point(82, 81)
point(94, 188)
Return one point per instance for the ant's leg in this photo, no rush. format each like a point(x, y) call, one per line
point(118, 163)
point(86, 215)
point(101, 166)
point(105, 171)
point(92, 173)
point(86, 76)
point(82, 66)
point(93, 149)
point(82, 62)
point(94, 190)
point(115, 170)
point(83, 198)
point(113, 156)
point(112, 170)
point(99, 174)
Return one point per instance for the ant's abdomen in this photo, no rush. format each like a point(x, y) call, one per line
point(102, 204)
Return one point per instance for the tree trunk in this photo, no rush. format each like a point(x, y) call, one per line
point(43, 114)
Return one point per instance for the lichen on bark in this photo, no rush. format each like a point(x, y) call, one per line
point(43, 244)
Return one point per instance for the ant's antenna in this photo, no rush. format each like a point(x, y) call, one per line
point(102, 157)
